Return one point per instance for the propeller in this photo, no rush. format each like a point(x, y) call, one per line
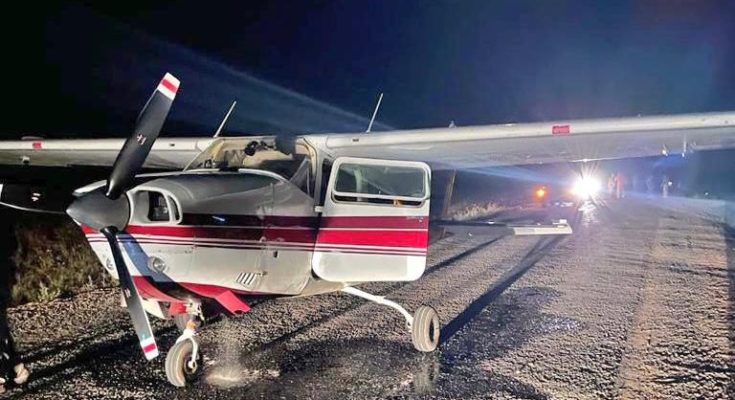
point(108, 211)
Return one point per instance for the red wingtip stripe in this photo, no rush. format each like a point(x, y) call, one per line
point(560, 130)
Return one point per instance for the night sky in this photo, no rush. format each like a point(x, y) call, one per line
point(82, 69)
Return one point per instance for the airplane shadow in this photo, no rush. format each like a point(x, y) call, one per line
point(542, 247)
point(539, 250)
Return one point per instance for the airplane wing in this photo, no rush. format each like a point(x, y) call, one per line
point(458, 147)
point(543, 142)
point(167, 153)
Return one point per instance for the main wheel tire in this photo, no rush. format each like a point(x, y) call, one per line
point(425, 329)
point(178, 370)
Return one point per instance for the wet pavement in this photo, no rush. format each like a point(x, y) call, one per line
point(638, 303)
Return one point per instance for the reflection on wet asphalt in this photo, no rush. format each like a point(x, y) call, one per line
point(530, 318)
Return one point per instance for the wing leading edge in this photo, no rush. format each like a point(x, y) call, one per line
point(167, 153)
point(460, 147)
point(543, 142)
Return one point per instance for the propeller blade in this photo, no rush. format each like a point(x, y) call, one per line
point(50, 200)
point(136, 148)
point(132, 298)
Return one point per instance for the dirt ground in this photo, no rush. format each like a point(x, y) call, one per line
point(638, 303)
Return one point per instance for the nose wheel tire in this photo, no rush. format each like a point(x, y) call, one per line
point(180, 369)
point(425, 329)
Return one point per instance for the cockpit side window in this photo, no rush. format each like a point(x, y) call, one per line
point(158, 210)
point(154, 207)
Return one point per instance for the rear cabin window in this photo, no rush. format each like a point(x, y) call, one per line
point(380, 184)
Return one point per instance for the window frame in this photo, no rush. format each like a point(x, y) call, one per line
point(411, 200)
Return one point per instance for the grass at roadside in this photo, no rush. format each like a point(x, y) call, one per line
point(52, 259)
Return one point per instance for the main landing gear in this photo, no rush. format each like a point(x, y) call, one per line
point(184, 360)
point(423, 325)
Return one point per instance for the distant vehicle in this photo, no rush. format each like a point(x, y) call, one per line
point(266, 216)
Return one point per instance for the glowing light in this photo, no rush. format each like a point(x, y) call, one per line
point(586, 187)
point(540, 193)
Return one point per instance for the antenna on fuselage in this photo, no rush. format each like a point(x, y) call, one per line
point(375, 112)
point(224, 120)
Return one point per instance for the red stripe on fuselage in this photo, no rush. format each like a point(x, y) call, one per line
point(415, 239)
point(348, 230)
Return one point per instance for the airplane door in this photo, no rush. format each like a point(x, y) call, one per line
point(374, 224)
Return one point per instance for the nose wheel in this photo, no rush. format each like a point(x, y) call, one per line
point(184, 361)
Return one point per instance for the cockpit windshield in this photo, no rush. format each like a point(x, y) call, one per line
point(232, 154)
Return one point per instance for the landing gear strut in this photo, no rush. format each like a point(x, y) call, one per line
point(184, 360)
point(193, 312)
point(423, 325)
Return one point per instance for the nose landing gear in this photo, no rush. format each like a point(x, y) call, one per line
point(184, 360)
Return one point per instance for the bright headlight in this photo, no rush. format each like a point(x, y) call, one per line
point(586, 187)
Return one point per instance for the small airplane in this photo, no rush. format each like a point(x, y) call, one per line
point(247, 217)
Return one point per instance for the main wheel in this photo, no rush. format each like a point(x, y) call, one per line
point(179, 369)
point(425, 329)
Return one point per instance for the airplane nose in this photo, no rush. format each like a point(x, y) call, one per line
point(97, 211)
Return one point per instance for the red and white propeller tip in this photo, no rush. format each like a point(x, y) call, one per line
point(168, 86)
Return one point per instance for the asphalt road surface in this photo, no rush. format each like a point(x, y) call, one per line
point(638, 303)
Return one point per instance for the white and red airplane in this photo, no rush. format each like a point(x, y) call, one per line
point(266, 216)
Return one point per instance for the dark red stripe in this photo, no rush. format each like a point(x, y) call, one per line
point(375, 222)
point(256, 233)
point(248, 220)
point(202, 221)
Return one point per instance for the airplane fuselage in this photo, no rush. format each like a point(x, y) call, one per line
point(203, 235)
